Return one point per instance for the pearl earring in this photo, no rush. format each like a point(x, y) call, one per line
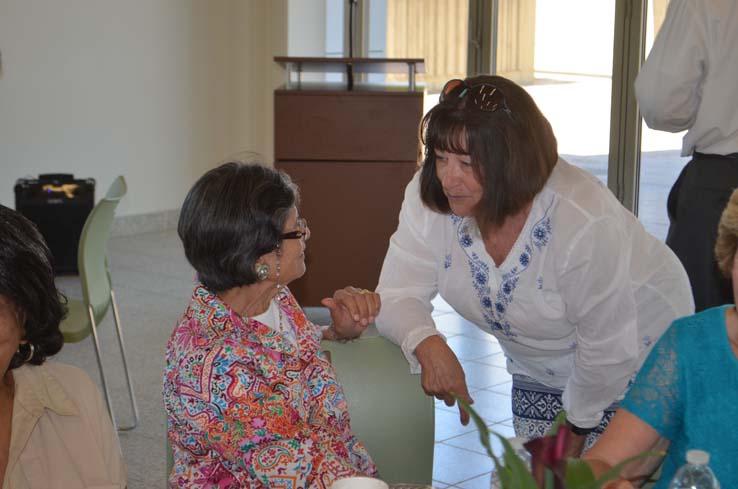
point(262, 271)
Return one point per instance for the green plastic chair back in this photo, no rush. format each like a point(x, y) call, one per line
point(97, 292)
point(390, 413)
point(93, 268)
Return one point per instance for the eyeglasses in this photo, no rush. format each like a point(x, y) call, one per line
point(303, 231)
point(483, 96)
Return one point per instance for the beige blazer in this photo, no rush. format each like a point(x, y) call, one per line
point(61, 435)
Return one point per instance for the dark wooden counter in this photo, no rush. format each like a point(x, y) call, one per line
point(351, 153)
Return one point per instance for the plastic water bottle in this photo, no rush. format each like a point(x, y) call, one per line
point(695, 474)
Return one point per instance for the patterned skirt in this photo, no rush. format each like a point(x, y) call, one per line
point(535, 407)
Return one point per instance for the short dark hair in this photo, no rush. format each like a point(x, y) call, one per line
point(27, 281)
point(233, 215)
point(513, 153)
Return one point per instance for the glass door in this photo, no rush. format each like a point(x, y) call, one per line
point(661, 162)
point(561, 52)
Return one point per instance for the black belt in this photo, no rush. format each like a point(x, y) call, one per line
point(731, 156)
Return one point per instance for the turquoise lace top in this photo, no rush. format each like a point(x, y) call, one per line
point(687, 390)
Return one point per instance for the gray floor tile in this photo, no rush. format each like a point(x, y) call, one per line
point(496, 359)
point(493, 407)
point(146, 458)
point(471, 349)
point(480, 375)
point(505, 388)
point(448, 425)
point(452, 465)
point(453, 324)
point(471, 441)
point(507, 422)
point(479, 482)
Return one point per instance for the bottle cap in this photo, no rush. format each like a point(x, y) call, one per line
point(698, 457)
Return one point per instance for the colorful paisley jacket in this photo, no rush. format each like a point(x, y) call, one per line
point(245, 408)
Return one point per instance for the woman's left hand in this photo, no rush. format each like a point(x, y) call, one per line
point(352, 311)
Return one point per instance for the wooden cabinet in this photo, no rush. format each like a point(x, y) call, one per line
point(351, 153)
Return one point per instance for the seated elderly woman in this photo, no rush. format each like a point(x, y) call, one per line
point(686, 394)
point(55, 431)
point(251, 399)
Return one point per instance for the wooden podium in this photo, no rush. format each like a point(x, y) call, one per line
point(351, 152)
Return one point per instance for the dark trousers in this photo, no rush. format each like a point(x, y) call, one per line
point(695, 204)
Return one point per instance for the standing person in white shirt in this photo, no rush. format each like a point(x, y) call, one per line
point(530, 249)
point(690, 81)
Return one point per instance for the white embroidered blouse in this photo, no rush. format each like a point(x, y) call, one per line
point(581, 297)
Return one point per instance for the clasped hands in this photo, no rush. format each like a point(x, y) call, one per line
point(352, 311)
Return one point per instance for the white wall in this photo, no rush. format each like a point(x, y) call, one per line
point(307, 27)
point(156, 90)
point(258, 34)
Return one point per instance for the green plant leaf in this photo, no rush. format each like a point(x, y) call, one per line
point(578, 473)
point(549, 479)
point(480, 424)
point(513, 473)
point(614, 472)
point(484, 438)
point(520, 472)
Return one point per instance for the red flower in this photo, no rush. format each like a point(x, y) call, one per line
point(549, 452)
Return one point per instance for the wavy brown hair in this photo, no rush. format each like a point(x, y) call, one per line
point(512, 152)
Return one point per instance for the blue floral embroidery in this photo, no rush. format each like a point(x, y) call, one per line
point(542, 232)
point(647, 341)
point(494, 311)
point(447, 261)
point(508, 286)
point(480, 278)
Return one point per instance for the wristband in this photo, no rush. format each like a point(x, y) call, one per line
point(579, 431)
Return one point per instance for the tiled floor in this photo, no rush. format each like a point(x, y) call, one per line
point(460, 460)
point(153, 283)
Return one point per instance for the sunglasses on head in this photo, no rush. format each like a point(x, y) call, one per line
point(483, 96)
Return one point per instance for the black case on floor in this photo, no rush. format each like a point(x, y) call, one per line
point(59, 205)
